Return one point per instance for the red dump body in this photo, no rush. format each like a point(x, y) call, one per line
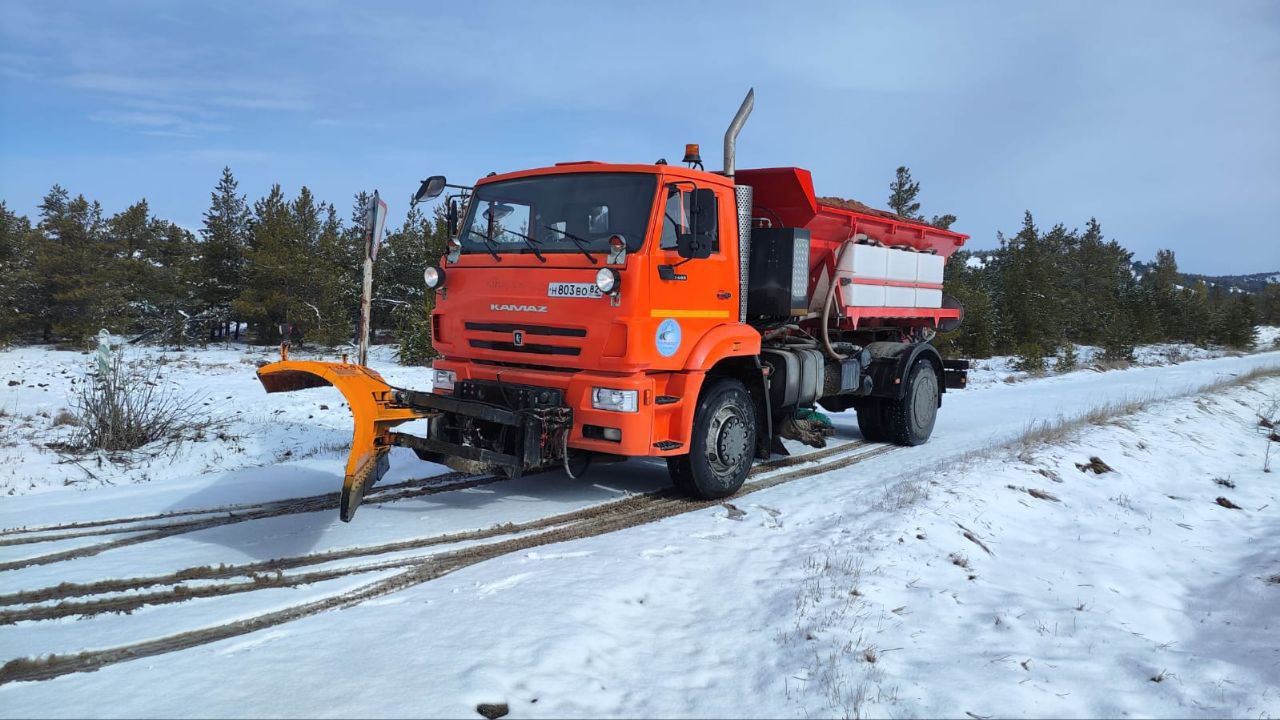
point(785, 196)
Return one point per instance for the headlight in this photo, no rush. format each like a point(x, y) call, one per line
point(444, 380)
point(608, 280)
point(433, 276)
point(615, 400)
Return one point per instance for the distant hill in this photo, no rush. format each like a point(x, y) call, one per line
point(1252, 283)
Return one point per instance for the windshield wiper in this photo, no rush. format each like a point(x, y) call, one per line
point(488, 243)
point(531, 242)
point(579, 242)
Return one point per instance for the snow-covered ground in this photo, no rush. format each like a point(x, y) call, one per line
point(252, 429)
point(1003, 368)
point(859, 591)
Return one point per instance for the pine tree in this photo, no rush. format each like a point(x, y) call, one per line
point(220, 273)
point(76, 262)
point(1030, 319)
point(332, 282)
point(273, 264)
point(1269, 305)
point(975, 338)
point(902, 194)
point(1236, 320)
point(1163, 282)
point(18, 291)
point(943, 221)
point(417, 243)
point(129, 237)
point(174, 281)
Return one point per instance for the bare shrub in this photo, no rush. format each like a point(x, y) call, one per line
point(1268, 420)
point(126, 407)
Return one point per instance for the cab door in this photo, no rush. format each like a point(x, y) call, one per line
point(688, 297)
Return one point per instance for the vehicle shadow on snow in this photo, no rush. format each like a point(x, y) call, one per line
point(1228, 613)
point(553, 488)
point(550, 492)
point(270, 537)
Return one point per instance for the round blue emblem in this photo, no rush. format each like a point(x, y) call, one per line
point(668, 337)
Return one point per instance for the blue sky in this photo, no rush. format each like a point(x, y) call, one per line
point(1160, 118)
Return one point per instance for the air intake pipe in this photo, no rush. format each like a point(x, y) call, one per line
point(731, 135)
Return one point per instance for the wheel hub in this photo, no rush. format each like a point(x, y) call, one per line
point(727, 441)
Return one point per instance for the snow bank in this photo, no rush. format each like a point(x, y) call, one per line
point(37, 384)
point(1002, 368)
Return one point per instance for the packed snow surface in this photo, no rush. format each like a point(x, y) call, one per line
point(962, 576)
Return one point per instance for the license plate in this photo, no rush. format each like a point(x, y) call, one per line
point(573, 290)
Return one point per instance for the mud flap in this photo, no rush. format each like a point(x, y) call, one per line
point(373, 412)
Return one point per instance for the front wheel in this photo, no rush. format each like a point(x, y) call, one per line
point(722, 446)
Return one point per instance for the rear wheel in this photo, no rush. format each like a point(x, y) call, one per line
point(722, 444)
point(909, 421)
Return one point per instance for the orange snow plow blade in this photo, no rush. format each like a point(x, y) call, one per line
point(373, 410)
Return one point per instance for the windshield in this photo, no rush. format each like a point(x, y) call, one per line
point(559, 213)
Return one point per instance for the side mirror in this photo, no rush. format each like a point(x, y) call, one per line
point(451, 218)
point(430, 188)
point(701, 238)
point(498, 212)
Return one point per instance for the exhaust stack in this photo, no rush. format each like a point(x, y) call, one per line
point(731, 135)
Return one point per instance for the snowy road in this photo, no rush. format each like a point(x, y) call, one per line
point(500, 629)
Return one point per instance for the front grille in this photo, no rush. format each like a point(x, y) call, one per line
point(510, 332)
point(528, 329)
point(531, 348)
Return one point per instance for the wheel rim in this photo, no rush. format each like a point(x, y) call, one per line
point(727, 441)
point(924, 403)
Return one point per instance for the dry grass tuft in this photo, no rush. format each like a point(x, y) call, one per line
point(959, 560)
point(1036, 493)
point(1095, 465)
point(1227, 504)
point(1274, 579)
point(65, 417)
point(1225, 482)
point(973, 538)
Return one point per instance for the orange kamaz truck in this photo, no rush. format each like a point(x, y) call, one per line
point(598, 311)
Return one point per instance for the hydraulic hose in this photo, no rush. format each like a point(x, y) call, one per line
point(826, 306)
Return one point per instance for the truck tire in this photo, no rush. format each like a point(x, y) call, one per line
point(871, 420)
point(722, 445)
point(910, 420)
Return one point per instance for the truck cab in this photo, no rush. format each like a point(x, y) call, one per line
point(618, 286)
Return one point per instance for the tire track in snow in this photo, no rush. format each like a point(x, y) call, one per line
point(314, 503)
point(258, 570)
point(106, 526)
point(608, 517)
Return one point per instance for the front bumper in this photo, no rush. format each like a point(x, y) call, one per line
point(639, 430)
